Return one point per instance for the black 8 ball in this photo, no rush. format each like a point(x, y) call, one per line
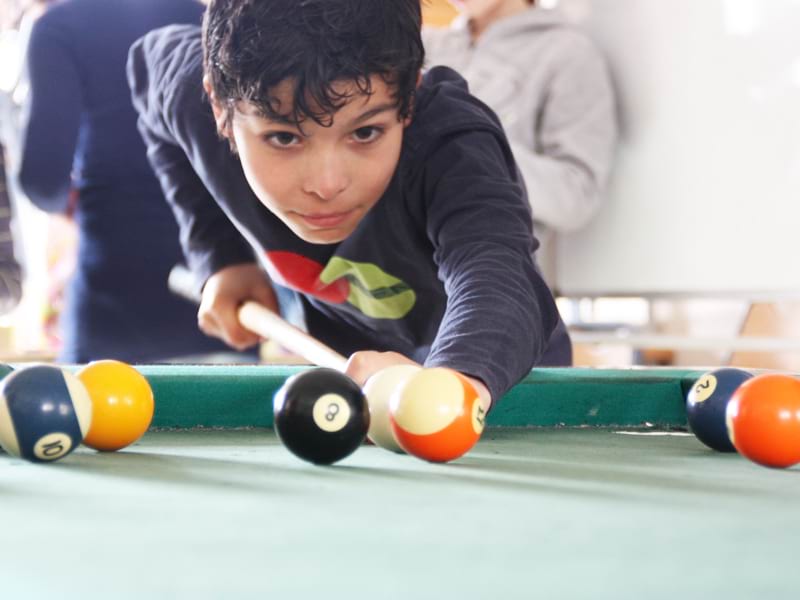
point(321, 415)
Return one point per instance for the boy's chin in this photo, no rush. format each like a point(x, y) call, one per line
point(322, 236)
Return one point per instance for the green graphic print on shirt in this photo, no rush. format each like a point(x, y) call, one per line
point(372, 291)
point(366, 286)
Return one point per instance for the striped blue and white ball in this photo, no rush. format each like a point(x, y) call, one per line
point(707, 402)
point(44, 413)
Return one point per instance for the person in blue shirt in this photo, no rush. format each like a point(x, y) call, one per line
point(322, 160)
point(80, 140)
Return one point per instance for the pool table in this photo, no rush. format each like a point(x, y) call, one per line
point(584, 485)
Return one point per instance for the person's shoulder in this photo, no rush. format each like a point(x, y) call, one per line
point(56, 18)
point(168, 57)
point(165, 73)
point(556, 27)
point(444, 105)
point(541, 44)
point(435, 36)
point(172, 45)
point(72, 13)
point(56, 11)
point(447, 119)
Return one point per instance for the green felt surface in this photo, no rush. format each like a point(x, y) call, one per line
point(529, 513)
point(241, 396)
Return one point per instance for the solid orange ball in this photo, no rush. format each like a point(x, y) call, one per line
point(122, 404)
point(436, 415)
point(763, 418)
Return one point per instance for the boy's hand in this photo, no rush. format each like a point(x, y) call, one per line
point(363, 365)
point(223, 294)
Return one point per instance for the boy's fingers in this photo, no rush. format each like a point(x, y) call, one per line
point(233, 333)
point(357, 367)
point(241, 339)
point(265, 296)
point(224, 324)
point(366, 363)
point(208, 323)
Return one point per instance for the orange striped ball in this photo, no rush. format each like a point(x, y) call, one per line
point(436, 415)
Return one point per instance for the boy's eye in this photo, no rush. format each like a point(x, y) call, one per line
point(364, 135)
point(282, 139)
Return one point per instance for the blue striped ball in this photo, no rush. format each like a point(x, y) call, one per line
point(44, 413)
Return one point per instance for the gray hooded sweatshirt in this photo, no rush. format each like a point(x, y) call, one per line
point(551, 88)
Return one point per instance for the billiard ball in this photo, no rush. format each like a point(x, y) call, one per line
point(763, 419)
point(378, 390)
point(705, 406)
point(321, 415)
point(436, 415)
point(44, 413)
point(122, 404)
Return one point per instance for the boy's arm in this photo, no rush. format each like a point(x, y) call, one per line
point(51, 120)
point(500, 313)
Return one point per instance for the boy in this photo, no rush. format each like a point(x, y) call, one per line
point(390, 203)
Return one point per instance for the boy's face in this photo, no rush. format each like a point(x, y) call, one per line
point(321, 181)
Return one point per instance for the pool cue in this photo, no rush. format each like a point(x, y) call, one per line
point(268, 324)
point(265, 323)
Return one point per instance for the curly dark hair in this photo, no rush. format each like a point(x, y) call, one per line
point(250, 46)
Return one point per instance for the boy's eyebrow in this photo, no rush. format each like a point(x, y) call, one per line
point(278, 120)
point(375, 111)
point(363, 117)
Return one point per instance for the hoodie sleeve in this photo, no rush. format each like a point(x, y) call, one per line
point(165, 76)
point(500, 313)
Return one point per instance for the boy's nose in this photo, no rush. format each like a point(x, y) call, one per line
point(326, 177)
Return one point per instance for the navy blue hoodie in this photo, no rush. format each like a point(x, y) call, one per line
point(441, 269)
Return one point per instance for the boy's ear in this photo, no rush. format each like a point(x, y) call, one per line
point(220, 112)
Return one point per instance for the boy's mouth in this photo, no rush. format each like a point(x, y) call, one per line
point(326, 220)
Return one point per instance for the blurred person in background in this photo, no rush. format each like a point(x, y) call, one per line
point(81, 155)
point(552, 90)
point(16, 17)
point(10, 272)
